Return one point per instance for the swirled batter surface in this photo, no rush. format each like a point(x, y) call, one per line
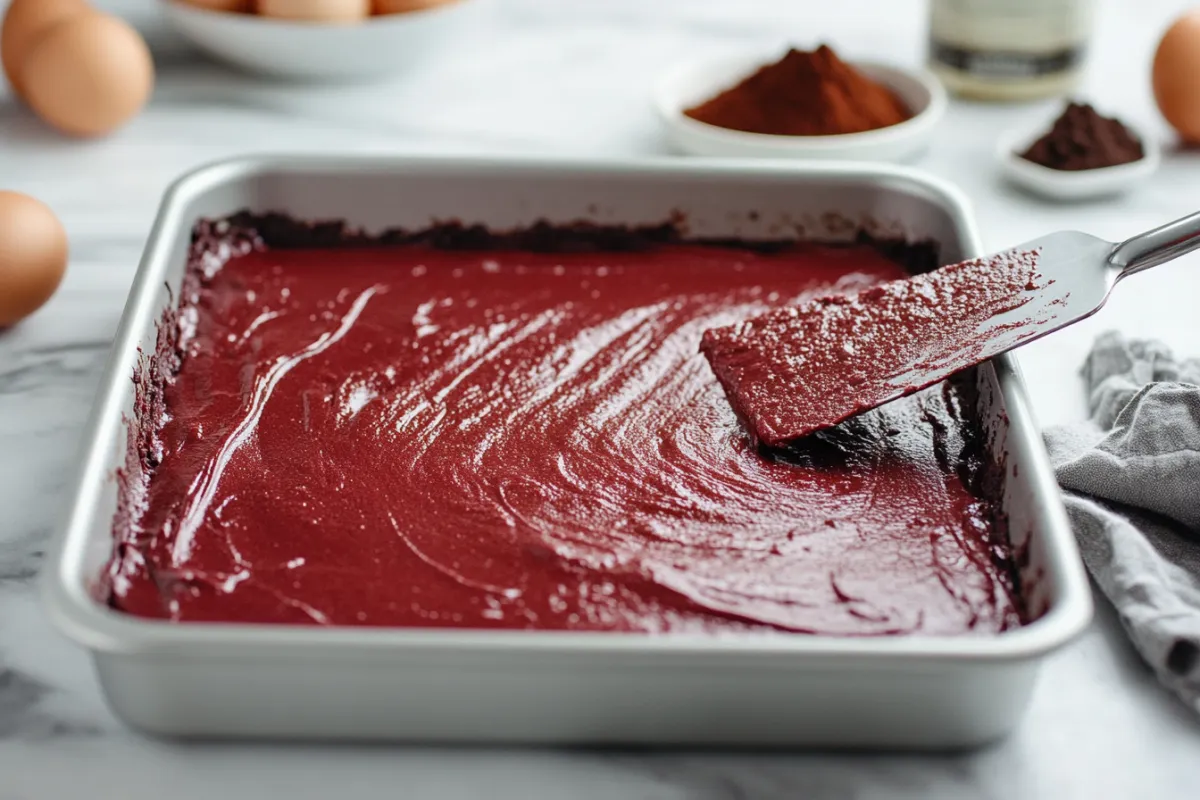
point(414, 436)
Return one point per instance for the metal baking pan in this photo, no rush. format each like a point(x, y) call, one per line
point(555, 687)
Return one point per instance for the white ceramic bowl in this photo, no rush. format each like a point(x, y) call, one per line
point(374, 48)
point(690, 84)
point(1059, 184)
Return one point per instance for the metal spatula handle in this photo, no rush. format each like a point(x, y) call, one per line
point(1155, 247)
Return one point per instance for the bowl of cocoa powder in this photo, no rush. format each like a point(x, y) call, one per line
point(805, 104)
point(1082, 154)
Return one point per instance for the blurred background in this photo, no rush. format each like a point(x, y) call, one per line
point(551, 77)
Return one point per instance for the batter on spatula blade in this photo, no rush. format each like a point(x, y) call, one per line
point(794, 371)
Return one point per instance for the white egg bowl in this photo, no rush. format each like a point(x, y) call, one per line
point(688, 85)
point(1061, 184)
point(374, 48)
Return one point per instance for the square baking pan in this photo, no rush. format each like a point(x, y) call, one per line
point(563, 687)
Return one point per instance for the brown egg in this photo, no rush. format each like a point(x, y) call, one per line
point(24, 23)
point(33, 256)
point(404, 6)
point(221, 5)
point(1176, 76)
point(89, 75)
point(315, 10)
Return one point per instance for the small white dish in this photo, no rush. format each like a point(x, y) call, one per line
point(374, 48)
point(1061, 184)
point(687, 85)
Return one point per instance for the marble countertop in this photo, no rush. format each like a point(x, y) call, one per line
point(575, 77)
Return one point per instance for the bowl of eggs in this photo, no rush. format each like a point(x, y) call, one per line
point(316, 39)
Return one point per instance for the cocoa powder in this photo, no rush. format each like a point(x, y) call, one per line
point(804, 94)
point(1082, 139)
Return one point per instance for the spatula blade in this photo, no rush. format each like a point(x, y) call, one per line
point(795, 371)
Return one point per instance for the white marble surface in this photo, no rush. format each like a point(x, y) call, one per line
point(575, 76)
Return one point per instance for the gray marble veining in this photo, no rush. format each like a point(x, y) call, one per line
point(573, 77)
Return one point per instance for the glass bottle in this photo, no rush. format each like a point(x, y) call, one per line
point(1009, 49)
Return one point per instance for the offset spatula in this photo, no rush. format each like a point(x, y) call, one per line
point(794, 371)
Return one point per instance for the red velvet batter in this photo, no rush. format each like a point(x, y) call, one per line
point(409, 436)
point(793, 371)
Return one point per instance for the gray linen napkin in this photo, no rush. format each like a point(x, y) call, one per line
point(1131, 480)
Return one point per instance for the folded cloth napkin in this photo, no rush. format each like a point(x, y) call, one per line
point(1131, 480)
